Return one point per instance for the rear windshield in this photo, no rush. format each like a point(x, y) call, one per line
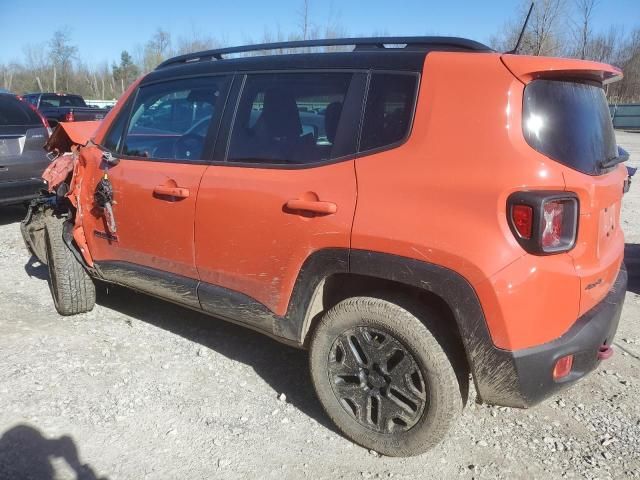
point(61, 101)
point(570, 123)
point(16, 112)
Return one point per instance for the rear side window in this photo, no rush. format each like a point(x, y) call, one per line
point(171, 120)
point(569, 122)
point(16, 112)
point(389, 110)
point(292, 118)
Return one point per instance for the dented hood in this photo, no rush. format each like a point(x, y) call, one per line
point(527, 68)
point(67, 134)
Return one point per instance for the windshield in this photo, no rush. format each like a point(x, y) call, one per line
point(569, 122)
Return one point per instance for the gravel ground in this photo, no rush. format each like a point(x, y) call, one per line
point(140, 388)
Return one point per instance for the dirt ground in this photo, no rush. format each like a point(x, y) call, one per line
point(140, 388)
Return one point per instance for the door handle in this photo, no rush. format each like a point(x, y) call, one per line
point(166, 191)
point(314, 206)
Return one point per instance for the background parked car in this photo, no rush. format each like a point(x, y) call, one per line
point(60, 107)
point(23, 133)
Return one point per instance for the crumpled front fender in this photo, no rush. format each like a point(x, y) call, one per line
point(66, 144)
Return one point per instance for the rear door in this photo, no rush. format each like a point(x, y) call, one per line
point(22, 139)
point(162, 141)
point(287, 188)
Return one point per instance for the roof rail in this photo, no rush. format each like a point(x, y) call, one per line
point(367, 43)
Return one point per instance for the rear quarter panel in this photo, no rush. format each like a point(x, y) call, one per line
point(441, 197)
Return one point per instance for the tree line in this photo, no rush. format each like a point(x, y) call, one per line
point(556, 28)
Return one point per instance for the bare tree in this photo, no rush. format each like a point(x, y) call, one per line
point(62, 54)
point(303, 15)
point(582, 26)
point(543, 35)
point(157, 49)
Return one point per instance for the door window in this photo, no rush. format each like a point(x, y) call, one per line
point(171, 120)
point(292, 118)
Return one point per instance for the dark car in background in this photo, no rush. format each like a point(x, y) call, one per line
point(23, 133)
point(62, 107)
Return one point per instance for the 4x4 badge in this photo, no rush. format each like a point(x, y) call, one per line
point(594, 284)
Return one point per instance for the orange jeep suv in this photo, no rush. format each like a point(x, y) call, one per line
point(414, 211)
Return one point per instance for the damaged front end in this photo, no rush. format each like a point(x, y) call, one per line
point(64, 180)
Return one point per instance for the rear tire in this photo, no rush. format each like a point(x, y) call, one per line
point(382, 374)
point(72, 288)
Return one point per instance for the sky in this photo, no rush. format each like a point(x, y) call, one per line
point(101, 30)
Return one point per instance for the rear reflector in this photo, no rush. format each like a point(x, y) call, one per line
point(563, 367)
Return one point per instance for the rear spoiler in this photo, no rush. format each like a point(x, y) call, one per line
point(527, 68)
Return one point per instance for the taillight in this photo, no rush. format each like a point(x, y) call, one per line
point(543, 222)
point(69, 117)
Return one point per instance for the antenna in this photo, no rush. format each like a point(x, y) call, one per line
point(524, 27)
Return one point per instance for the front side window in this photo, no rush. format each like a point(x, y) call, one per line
point(171, 120)
point(389, 109)
point(291, 118)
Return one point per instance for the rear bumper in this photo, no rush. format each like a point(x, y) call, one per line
point(526, 376)
point(20, 190)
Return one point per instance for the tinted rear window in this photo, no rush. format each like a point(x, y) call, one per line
point(570, 123)
point(16, 112)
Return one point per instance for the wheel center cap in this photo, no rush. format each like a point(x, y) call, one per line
point(376, 380)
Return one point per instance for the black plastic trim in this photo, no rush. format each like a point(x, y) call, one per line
point(372, 42)
point(229, 304)
point(165, 285)
point(519, 378)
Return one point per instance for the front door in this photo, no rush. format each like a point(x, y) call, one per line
point(161, 143)
point(287, 188)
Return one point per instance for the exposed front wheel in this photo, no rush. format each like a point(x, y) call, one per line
point(72, 288)
point(383, 377)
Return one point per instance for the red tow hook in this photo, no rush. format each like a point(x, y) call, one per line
point(605, 352)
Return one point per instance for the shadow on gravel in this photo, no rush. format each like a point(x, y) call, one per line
point(35, 269)
point(25, 453)
point(12, 214)
point(632, 262)
point(284, 368)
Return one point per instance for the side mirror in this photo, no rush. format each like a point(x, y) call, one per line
point(109, 159)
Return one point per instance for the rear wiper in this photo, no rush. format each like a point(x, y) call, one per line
point(623, 156)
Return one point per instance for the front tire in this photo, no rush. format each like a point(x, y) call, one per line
point(72, 288)
point(383, 376)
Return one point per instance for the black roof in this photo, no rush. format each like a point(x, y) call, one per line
point(391, 53)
